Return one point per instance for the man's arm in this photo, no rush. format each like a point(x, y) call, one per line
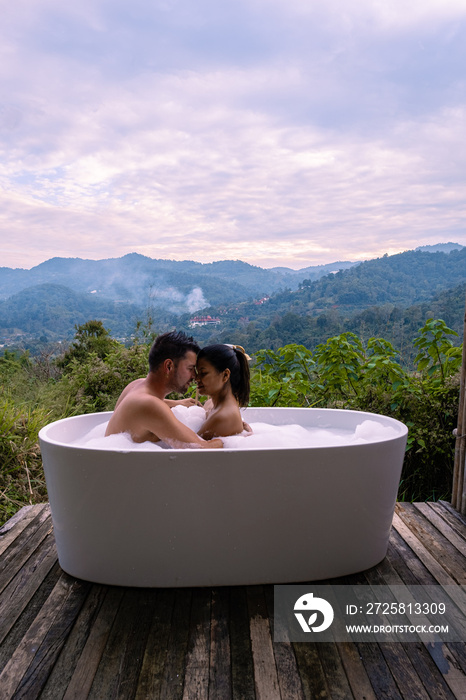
point(154, 415)
point(171, 403)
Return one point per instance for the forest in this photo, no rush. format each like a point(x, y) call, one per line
point(344, 371)
point(277, 325)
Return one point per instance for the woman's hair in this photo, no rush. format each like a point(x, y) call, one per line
point(228, 357)
point(170, 346)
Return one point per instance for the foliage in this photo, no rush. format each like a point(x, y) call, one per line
point(289, 318)
point(282, 378)
point(90, 338)
point(437, 354)
point(21, 476)
point(95, 384)
point(345, 373)
point(50, 311)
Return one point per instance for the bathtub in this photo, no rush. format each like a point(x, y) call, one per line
point(222, 517)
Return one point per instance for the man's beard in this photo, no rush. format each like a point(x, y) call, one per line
point(181, 388)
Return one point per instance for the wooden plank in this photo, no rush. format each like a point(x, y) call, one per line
point(405, 562)
point(334, 670)
point(15, 525)
point(440, 549)
point(442, 672)
point(310, 670)
point(29, 614)
point(438, 572)
point(220, 681)
point(73, 675)
point(285, 660)
point(456, 521)
point(26, 543)
point(22, 587)
point(156, 651)
point(196, 678)
point(459, 516)
point(242, 669)
point(140, 606)
point(379, 672)
point(45, 658)
point(398, 660)
point(356, 682)
point(60, 677)
point(404, 673)
point(442, 526)
point(265, 672)
point(404, 566)
point(117, 674)
point(173, 678)
point(425, 661)
point(355, 671)
point(16, 668)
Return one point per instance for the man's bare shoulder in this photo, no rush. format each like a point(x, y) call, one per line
point(137, 412)
point(141, 400)
point(136, 388)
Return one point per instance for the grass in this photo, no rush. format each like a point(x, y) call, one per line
point(22, 480)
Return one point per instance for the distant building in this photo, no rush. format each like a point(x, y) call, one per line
point(203, 321)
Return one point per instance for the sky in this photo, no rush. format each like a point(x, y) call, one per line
point(278, 132)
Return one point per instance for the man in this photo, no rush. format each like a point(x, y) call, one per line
point(142, 410)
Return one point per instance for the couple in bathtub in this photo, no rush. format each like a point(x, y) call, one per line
point(175, 360)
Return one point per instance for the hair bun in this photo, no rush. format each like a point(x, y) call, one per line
point(241, 349)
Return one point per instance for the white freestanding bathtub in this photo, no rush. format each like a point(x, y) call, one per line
point(222, 517)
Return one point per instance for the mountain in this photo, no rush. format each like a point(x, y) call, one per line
point(50, 299)
point(51, 311)
point(378, 290)
point(440, 248)
point(403, 280)
point(173, 285)
point(316, 271)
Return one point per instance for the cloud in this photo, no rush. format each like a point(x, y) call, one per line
point(278, 133)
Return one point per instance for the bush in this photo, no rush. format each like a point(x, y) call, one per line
point(342, 373)
point(95, 385)
point(21, 477)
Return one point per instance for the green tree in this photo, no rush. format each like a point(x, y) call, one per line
point(90, 338)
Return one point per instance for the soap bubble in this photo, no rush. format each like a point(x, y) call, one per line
point(264, 435)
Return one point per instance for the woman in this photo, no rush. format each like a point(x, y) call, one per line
point(223, 375)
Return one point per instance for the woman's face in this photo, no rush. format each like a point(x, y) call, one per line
point(209, 380)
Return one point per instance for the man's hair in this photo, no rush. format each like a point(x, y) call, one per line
point(170, 346)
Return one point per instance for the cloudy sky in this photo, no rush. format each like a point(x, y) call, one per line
point(279, 132)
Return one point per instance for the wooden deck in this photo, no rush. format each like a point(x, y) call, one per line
point(62, 638)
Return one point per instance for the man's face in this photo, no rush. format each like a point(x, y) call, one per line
point(185, 372)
